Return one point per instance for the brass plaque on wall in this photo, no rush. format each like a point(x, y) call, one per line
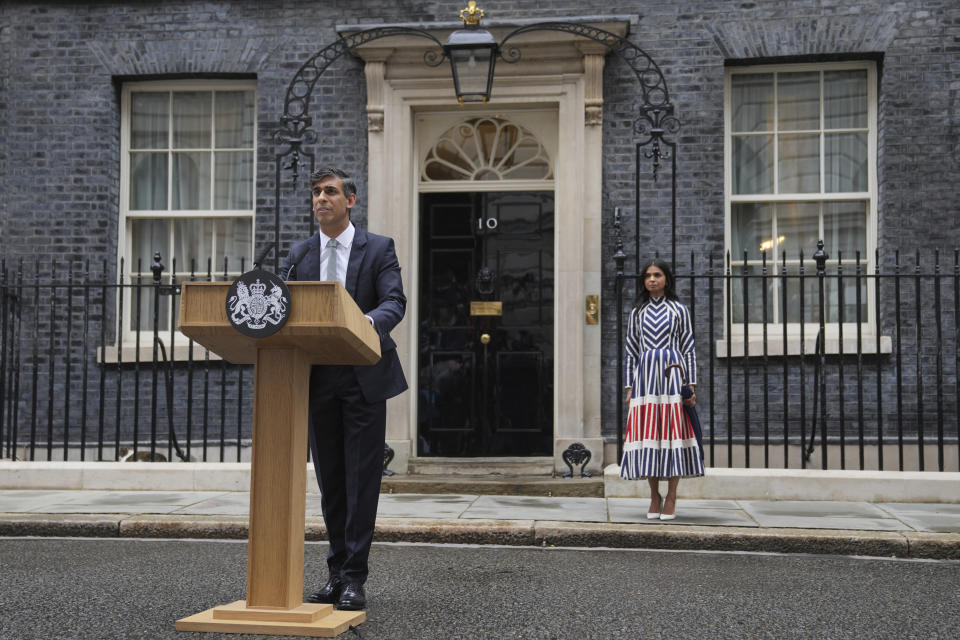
point(486, 308)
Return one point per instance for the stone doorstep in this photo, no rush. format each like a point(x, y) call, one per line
point(506, 466)
point(503, 485)
point(901, 544)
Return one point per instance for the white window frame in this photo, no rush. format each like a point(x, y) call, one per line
point(755, 330)
point(124, 240)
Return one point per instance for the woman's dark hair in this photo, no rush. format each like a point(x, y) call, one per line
point(669, 290)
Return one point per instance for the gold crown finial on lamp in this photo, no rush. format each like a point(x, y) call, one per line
point(472, 52)
point(472, 15)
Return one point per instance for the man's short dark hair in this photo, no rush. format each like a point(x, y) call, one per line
point(349, 186)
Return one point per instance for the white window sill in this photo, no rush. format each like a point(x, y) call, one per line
point(128, 354)
point(868, 345)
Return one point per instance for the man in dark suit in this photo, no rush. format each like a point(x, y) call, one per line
point(348, 403)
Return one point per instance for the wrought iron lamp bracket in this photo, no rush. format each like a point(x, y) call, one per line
point(295, 125)
point(655, 123)
point(656, 120)
point(619, 256)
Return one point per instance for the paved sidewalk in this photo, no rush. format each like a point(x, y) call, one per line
point(897, 529)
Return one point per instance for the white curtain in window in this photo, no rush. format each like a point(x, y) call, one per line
point(752, 226)
point(149, 130)
point(798, 228)
point(193, 245)
point(752, 102)
point(845, 153)
point(795, 141)
point(234, 242)
point(845, 229)
point(191, 180)
point(148, 236)
point(149, 120)
point(845, 162)
point(233, 188)
point(148, 181)
point(233, 134)
point(190, 152)
point(191, 132)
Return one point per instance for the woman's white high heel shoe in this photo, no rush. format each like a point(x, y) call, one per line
point(655, 516)
point(668, 516)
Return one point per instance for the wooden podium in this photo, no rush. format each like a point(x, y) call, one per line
point(325, 326)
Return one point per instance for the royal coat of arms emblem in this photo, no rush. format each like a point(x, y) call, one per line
point(258, 303)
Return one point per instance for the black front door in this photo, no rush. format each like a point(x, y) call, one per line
point(486, 324)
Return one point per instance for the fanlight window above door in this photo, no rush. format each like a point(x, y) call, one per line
point(487, 148)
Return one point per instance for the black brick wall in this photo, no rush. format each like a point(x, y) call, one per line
point(64, 63)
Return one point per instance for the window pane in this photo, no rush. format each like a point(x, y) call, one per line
point(752, 304)
point(148, 181)
point(751, 228)
point(487, 131)
point(799, 163)
point(752, 102)
point(144, 295)
point(149, 120)
point(147, 236)
point(810, 298)
point(798, 101)
point(845, 229)
point(191, 180)
point(845, 161)
point(472, 70)
point(797, 228)
point(753, 164)
point(234, 180)
point(234, 119)
point(528, 160)
point(832, 289)
point(191, 119)
point(845, 99)
point(193, 243)
point(234, 243)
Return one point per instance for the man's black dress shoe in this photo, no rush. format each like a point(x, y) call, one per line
point(352, 598)
point(329, 594)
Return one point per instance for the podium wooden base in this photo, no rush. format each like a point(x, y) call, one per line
point(325, 327)
point(310, 620)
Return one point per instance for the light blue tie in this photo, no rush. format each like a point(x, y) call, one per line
point(331, 272)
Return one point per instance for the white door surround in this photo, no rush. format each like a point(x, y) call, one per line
point(557, 72)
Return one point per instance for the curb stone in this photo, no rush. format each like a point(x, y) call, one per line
point(935, 546)
point(61, 525)
point(901, 544)
point(683, 537)
point(505, 532)
point(206, 527)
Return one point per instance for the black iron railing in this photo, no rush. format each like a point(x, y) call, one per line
point(865, 361)
point(92, 367)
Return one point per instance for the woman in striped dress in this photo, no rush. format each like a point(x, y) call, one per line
point(660, 441)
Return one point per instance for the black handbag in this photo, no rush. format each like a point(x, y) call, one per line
point(685, 392)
